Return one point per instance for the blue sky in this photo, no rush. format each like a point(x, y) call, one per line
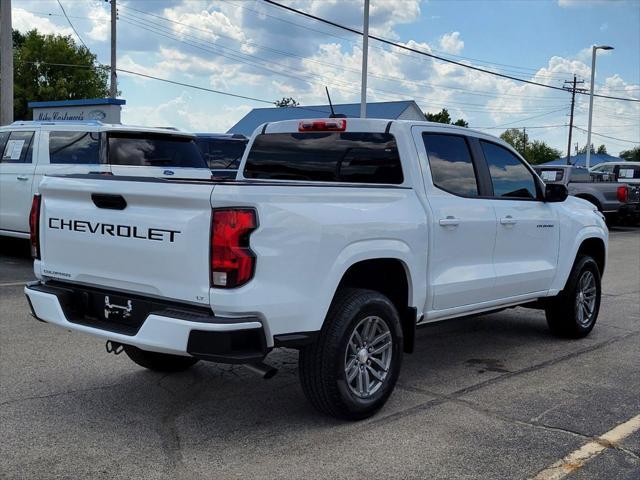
point(254, 49)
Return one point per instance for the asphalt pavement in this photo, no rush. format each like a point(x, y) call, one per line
point(488, 397)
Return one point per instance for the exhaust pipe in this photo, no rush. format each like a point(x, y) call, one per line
point(114, 347)
point(262, 369)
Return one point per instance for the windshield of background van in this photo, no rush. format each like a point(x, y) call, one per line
point(221, 154)
point(154, 150)
point(325, 157)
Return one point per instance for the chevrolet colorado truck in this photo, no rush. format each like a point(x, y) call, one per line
point(337, 238)
point(613, 199)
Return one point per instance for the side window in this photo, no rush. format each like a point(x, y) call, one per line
point(510, 178)
point(450, 163)
point(580, 175)
point(4, 136)
point(67, 147)
point(17, 147)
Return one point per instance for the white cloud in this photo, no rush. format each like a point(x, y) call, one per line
point(182, 112)
point(229, 59)
point(101, 24)
point(451, 43)
point(580, 3)
point(24, 21)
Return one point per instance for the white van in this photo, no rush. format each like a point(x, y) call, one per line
point(32, 149)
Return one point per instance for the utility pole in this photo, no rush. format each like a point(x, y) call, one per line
point(573, 90)
point(594, 49)
point(6, 65)
point(365, 55)
point(524, 142)
point(113, 85)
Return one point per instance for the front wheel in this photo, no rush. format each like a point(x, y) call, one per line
point(159, 362)
point(573, 313)
point(352, 369)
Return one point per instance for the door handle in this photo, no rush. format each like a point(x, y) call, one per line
point(22, 178)
point(508, 220)
point(449, 221)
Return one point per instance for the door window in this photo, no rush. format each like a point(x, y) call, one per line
point(450, 163)
point(510, 177)
point(17, 147)
point(68, 147)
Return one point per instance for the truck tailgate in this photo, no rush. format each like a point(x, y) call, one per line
point(142, 236)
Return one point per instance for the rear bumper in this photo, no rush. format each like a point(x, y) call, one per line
point(163, 327)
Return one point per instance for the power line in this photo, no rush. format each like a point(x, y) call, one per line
point(527, 126)
point(607, 136)
point(530, 118)
point(197, 87)
point(437, 57)
point(242, 57)
point(72, 27)
point(289, 54)
point(525, 70)
point(264, 14)
point(220, 92)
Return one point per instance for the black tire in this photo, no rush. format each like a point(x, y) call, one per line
point(159, 362)
point(563, 312)
point(322, 364)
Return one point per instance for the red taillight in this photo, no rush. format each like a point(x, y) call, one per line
point(232, 261)
point(623, 193)
point(331, 125)
point(34, 224)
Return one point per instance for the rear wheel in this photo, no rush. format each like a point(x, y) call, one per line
point(352, 369)
point(159, 362)
point(573, 313)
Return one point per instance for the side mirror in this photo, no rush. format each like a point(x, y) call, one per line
point(555, 192)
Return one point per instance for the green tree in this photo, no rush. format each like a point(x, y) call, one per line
point(516, 138)
point(583, 150)
point(536, 152)
point(539, 152)
point(36, 78)
point(286, 102)
point(632, 155)
point(602, 150)
point(444, 117)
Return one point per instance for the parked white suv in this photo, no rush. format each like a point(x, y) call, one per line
point(338, 238)
point(32, 149)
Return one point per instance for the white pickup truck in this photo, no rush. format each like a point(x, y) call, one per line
point(337, 238)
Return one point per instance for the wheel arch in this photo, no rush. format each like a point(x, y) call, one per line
point(595, 248)
point(590, 241)
point(390, 276)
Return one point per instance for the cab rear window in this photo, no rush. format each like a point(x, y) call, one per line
point(153, 150)
point(348, 157)
point(550, 174)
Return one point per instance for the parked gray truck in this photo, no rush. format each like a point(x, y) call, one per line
point(613, 199)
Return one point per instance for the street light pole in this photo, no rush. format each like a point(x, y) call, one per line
point(593, 79)
point(113, 83)
point(365, 55)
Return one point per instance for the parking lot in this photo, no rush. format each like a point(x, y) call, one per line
point(493, 397)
